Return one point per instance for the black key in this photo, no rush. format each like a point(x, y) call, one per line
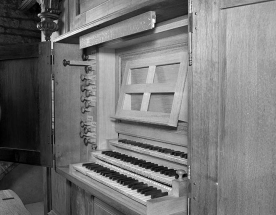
point(121, 180)
point(164, 170)
point(142, 191)
point(156, 169)
point(125, 183)
point(184, 155)
point(135, 187)
point(122, 140)
point(134, 183)
point(139, 190)
point(167, 151)
point(176, 153)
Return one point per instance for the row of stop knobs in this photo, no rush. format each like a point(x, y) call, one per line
point(88, 99)
point(88, 88)
point(88, 132)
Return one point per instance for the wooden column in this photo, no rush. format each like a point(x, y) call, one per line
point(204, 108)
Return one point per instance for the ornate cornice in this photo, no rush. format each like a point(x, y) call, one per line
point(50, 11)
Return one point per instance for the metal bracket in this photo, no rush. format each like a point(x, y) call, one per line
point(190, 32)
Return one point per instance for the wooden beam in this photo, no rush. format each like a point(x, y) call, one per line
point(164, 29)
point(130, 26)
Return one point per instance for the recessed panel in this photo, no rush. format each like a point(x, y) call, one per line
point(166, 73)
point(161, 102)
point(138, 75)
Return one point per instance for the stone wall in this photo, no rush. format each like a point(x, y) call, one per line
point(17, 26)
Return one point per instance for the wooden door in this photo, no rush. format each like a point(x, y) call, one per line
point(69, 146)
point(246, 161)
point(25, 104)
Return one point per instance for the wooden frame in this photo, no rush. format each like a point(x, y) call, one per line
point(124, 110)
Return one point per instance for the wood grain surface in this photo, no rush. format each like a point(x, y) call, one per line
point(248, 118)
point(25, 100)
point(68, 144)
point(237, 3)
point(203, 108)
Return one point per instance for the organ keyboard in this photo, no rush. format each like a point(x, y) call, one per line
point(145, 181)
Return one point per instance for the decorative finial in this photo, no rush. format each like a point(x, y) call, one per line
point(49, 12)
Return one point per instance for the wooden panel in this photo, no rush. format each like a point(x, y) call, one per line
point(110, 7)
point(106, 96)
point(161, 102)
point(45, 103)
point(167, 205)
point(247, 136)
point(60, 194)
point(138, 76)
point(142, 22)
point(25, 103)
point(104, 193)
point(13, 52)
point(18, 89)
point(183, 115)
point(81, 202)
point(163, 134)
point(165, 29)
point(150, 88)
point(68, 144)
point(101, 208)
point(203, 108)
point(235, 3)
point(47, 189)
point(63, 23)
point(75, 18)
point(86, 5)
point(97, 17)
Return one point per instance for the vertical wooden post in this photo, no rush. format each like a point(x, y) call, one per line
point(204, 107)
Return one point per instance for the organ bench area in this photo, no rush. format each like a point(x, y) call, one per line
point(151, 107)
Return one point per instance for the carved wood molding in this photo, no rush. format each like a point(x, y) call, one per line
point(50, 11)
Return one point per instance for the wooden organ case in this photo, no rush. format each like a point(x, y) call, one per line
point(114, 109)
point(174, 98)
point(131, 104)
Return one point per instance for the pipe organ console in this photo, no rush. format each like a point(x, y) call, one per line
point(149, 176)
point(132, 106)
point(147, 107)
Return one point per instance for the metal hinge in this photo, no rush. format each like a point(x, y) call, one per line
point(54, 161)
point(189, 191)
point(189, 206)
point(52, 59)
point(190, 31)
